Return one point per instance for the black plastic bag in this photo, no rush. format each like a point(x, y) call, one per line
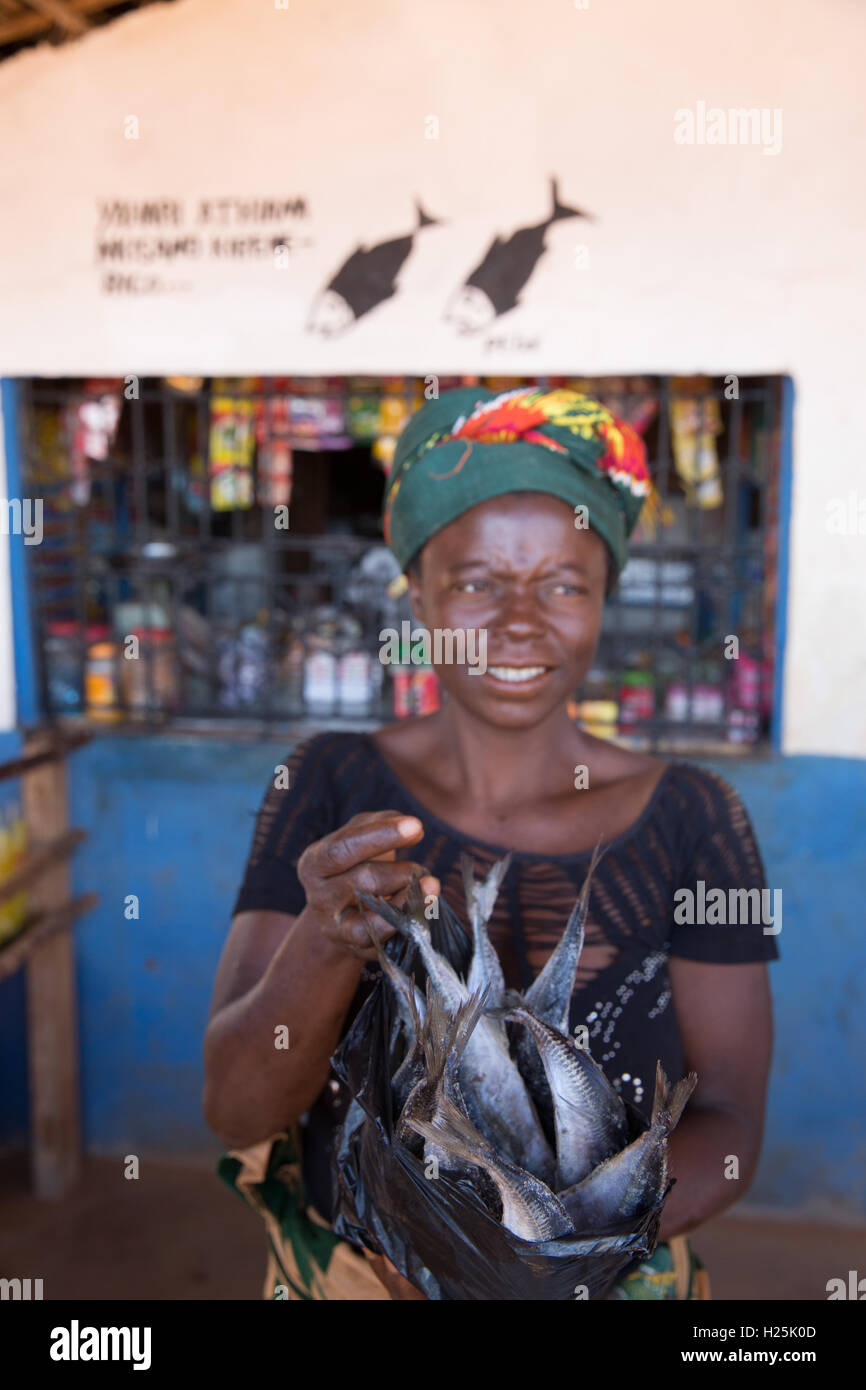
point(438, 1233)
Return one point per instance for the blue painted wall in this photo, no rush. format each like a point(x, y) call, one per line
point(171, 820)
point(13, 1016)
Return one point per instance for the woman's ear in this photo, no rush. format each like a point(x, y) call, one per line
point(414, 591)
point(415, 597)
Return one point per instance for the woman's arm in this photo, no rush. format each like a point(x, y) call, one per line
point(285, 984)
point(725, 1019)
point(276, 971)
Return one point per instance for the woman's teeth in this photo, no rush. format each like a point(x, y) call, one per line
point(516, 673)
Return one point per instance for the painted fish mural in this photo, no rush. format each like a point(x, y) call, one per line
point(494, 286)
point(363, 281)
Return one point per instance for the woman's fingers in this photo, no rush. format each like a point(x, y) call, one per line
point(363, 838)
point(382, 880)
point(361, 858)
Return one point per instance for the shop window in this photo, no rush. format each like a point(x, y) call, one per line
point(211, 553)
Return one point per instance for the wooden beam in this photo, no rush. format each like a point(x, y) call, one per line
point(38, 929)
point(52, 1014)
point(38, 859)
point(60, 13)
point(52, 749)
point(31, 25)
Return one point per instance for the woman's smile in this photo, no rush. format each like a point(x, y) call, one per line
point(518, 680)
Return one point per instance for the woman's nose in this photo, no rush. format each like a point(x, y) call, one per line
point(519, 614)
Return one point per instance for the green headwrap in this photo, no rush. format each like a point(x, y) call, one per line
point(472, 444)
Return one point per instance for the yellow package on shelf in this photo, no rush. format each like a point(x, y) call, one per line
point(13, 848)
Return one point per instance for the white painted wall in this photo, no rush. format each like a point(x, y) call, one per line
point(718, 258)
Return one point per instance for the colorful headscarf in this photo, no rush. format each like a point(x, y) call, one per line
point(471, 445)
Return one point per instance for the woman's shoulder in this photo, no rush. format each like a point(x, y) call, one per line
point(709, 823)
point(333, 755)
point(700, 792)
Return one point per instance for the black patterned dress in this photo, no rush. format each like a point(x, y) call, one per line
point(694, 829)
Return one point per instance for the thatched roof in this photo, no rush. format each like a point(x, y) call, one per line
point(24, 23)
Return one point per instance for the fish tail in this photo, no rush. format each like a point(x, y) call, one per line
point(394, 973)
point(384, 909)
point(469, 885)
point(494, 882)
point(481, 897)
point(413, 1008)
point(399, 979)
point(597, 855)
point(464, 1022)
point(424, 219)
point(577, 920)
point(453, 1132)
point(434, 1038)
point(512, 1001)
point(559, 210)
point(669, 1102)
point(660, 1094)
point(679, 1095)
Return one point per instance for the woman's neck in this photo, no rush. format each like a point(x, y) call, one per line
point(500, 768)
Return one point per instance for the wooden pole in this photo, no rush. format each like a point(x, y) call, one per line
point(52, 1018)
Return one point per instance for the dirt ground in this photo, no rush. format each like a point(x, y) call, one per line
point(178, 1232)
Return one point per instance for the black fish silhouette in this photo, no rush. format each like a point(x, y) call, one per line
point(495, 284)
point(366, 279)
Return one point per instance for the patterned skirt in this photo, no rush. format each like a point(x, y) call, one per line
point(308, 1261)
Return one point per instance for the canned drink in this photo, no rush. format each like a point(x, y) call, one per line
point(402, 678)
point(425, 691)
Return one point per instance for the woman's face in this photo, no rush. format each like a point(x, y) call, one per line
point(518, 570)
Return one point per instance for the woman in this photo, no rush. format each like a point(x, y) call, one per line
point(510, 515)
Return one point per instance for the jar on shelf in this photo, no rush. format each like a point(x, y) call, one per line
point(149, 670)
point(101, 680)
point(355, 680)
point(62, 650)
point(636, 697)
point(320, 676)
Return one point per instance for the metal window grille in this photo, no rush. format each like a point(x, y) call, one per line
point(132, 543)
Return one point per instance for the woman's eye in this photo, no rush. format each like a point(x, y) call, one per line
point(470, 586)
point(569, 589)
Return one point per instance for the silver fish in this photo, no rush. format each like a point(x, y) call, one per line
point(495, 1094)
point(485, 972)
point(589, 1116)
point(549, 998)
point(549, 995)
point(444, 1040)
point(628, 1184)
point(407, 996)
point(411, 1070)
point(529, 1209)
point(434, 1039)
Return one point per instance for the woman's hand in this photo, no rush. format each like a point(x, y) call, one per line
point(360, 858)
point(397, 1286)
